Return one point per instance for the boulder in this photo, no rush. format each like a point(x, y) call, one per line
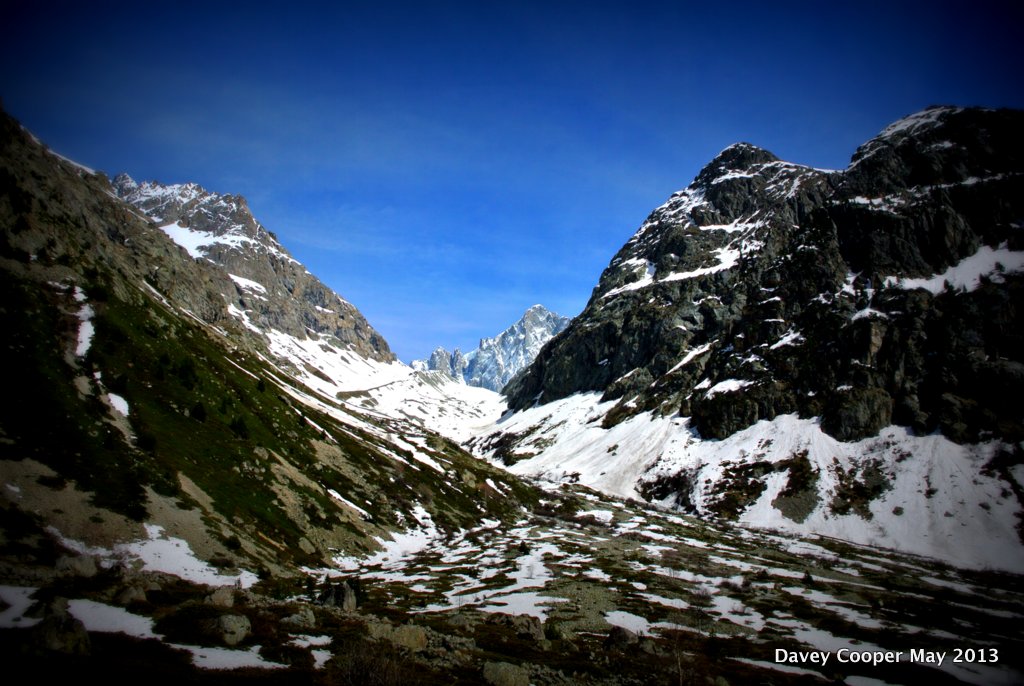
point(621, 637)
point(410, 637)
point(222, 597)
point(59, 631)
point(525, 626)
point(131, 594)
point(505, 674)
point(77, 565)
point(303, 619)
point(341, 595)
point(229, 629)
point(62, 634)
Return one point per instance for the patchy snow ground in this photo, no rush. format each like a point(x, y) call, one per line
point(103, 618)
point(653, 572)
point(18, 599)
point(160, 553)
point(938, 501)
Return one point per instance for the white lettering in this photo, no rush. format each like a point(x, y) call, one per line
point(818, 657)
point(932, 657)
point(874, 657)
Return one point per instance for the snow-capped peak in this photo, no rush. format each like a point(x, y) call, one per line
point(926, 118)
point(498, 359)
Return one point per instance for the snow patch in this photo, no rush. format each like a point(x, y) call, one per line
point(118, 403)
point(248, 284)
point(968, 272)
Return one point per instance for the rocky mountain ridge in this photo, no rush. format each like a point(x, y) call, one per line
point(269, 290)
point(770, 315)
point(738, 277)
point(497, 360)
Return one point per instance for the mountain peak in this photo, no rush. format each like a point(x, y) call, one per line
point(927, 118)
point(267, 289)
point(737, 160)
point(498, 359)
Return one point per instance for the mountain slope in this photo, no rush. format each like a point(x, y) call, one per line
point(144, 402)
point(883, 296)
point(270, 289)
point(497, 360)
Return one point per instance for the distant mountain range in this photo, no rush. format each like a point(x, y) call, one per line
point(497, 360)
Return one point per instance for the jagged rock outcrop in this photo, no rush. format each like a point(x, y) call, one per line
point(497, 360)
point(767, 287)
point(268, 288)
point(451, 364)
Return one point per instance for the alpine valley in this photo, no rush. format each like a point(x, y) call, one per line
point(788, 422)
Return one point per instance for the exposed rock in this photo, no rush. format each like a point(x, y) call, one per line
point(621, 637)
point(222, 597)
point(463, 619)
point(409, 636)
point(525, 626)
point(230, 629)
point(302, 619)
point(505, 674)
point(379, 630)
point(342, 596)
point(77, 565)
point(131, 594)
point(61, 634)
point(497, 360)
point(790, 289)
point(558, 632)
point(58, 631)
point(648, 645)
point(275, 290)
point(858, 413)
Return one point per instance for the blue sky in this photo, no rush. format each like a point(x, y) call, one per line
point(445, 165)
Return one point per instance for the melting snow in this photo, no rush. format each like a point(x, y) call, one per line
point(248, 284)
point(19, 600)
point(162, 553)
point(86, 328)
point(196, 242)
point(118, 403)
point(571, 446)
point(967, 274)
point(727, 386)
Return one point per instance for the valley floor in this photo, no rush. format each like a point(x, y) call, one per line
point(588, 589)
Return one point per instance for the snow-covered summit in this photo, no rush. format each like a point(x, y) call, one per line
point(498, 359)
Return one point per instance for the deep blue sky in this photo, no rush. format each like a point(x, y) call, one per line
point(446, 165)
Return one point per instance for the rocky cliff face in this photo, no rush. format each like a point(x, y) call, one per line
point(836, 352)
point(767, 288)
point(269, 289)
point(497, 360)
